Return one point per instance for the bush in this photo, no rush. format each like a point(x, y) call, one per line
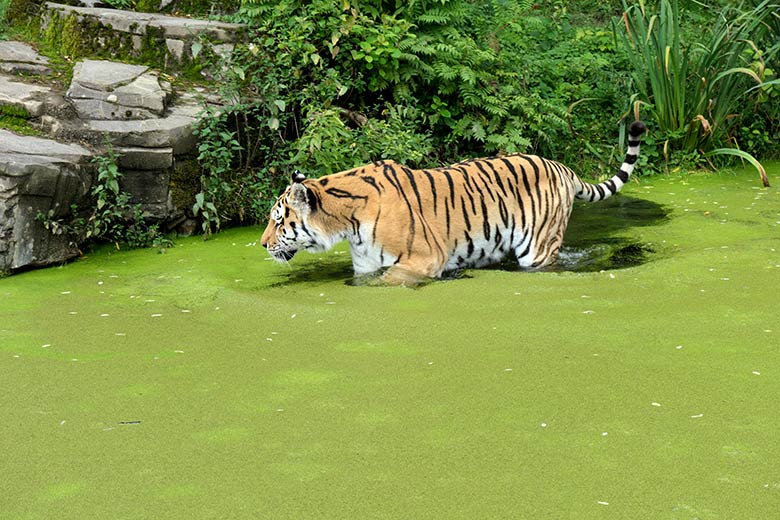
point(697, 91)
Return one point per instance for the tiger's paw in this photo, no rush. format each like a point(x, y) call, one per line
point(397, 275)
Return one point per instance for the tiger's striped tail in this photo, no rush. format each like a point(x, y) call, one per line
point(604, 190)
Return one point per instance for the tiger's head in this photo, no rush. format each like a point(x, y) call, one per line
point(292, 225)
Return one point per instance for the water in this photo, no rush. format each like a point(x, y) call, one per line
point(595, 239)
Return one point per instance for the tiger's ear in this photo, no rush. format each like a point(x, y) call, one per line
point(299, 197)
point(298, 177)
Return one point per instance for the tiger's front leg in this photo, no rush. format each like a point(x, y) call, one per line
point(400, 275)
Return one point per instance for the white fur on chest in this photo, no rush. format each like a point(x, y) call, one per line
point(367, 256)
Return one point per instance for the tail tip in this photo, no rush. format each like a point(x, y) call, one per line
point(637, 128)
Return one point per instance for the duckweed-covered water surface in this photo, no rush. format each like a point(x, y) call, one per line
point(209, 382)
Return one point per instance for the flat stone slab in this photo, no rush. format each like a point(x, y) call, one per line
point(135, 158)
point(18, 57)
point(105, 75)
point(31, 98)
point(107, 90)
point(136, 23)
point(31, 150)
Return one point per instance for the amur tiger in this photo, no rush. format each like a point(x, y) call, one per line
point(421, 223)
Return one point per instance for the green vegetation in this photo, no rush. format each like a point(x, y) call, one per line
point(17, 120)
point(323, 86)
point(108, 216)
point(695, 93)
point(210, 383)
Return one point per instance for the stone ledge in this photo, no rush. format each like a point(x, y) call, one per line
point(20, 58)
point(140, 33)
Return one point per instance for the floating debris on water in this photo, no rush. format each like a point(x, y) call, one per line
point(697, 416)
point(655, 404)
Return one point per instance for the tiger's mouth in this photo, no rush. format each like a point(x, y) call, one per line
point(282, 255)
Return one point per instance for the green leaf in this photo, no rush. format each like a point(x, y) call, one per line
point(743, 155)
point(196, 48)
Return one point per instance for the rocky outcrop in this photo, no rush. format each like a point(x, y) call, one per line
point(128, 107)
point(38, 176)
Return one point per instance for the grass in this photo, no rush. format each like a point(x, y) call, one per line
point(208, 382)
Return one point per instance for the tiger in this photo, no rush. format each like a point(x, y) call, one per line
point(413, 225)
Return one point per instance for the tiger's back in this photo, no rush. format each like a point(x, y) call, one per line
point(421, 223)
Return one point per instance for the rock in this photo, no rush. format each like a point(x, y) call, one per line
point(105, 75)
point(131, 158)
point(18, 57)
point(175, 49)
point(38, 176)
point(171, 132)
point(31, 98)
point(146, 187)
point(108, 90)
point(144, 33)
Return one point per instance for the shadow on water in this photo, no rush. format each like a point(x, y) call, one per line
point(589, 245)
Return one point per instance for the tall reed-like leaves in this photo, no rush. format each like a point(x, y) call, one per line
point(696, 93)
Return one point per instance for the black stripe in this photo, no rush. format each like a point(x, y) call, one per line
point(465, 214)
point(634, 142)
point(413, 183)
point(397, 184)
point(433, 189)
point(376, 223)
point(370, 180)
point(447, 216)
point(630, 158)
point(532, 223)
point(622, 175)
point(503, 212)
point(470, 247)
point(485, 221)
point(451, 186)
point(344, 194)
point(468, 189)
